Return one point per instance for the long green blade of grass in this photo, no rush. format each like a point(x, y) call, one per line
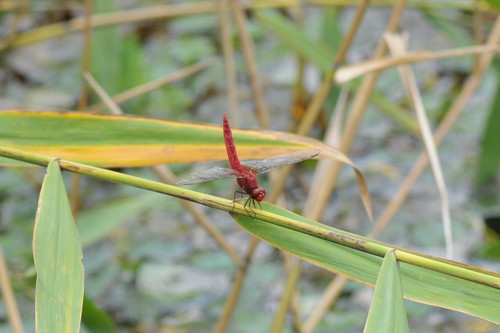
point(489, 157)
point(58, 259)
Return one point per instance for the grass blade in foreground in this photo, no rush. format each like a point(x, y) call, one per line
point(58, 259)
point(387, 312)
point(360, 259)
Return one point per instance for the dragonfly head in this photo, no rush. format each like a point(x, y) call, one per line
point(258, 194)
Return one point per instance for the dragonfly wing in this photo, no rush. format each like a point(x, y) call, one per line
point(207, 175)
point(275, 162)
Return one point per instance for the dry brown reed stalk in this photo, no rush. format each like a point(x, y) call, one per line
point(228, 55)
point(11, 32)
point(9, 298)
point(444, 127)
point(318, 197)
point(470, 86)
point(424, 4)
point(175, 10)
point(398, 46)
point(168, 177)
point(291, 284)
point(477, 25)
point(128, 16)
point(299, 94)
point(84, 96)
point(155, 84)
point(87, 48)
point(251, 64)
point(347, 73)
point(234, 295)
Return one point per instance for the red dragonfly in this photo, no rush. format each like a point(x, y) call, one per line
point(245, 172)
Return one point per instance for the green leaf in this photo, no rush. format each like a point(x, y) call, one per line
point(387, 312)
point(117, 59)
point(454, 33)
point(489, 157)
point(58, 259)
point(494, 3)
point(94, 319)
point(96, 223)
point(434, 281)
point(318, 54)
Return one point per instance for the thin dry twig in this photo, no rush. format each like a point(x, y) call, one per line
point(129, 16)
point(228, 54)
point(444, 127)
point(155, 84)
point(251, 64)
point(347, 73)
point(84, 96)
point(166, 176)
point(398, 46)
point(13, 315)
point(287, 297)
point(234, 295)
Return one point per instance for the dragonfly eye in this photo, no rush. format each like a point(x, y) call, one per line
point(259, 194)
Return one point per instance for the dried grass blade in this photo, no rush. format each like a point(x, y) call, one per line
point(228, 54)
point(347, 73)
point(398, 47)
point(155, 84)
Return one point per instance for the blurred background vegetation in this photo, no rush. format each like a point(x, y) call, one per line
point(151, 268)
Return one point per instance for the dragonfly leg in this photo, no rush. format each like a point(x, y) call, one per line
point(248, 203)
point(241, 193)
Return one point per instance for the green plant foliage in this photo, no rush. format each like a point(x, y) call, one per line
point(58, 259)
point(387, 312)
point(96, 320)
point(493, 3)
point(318, 54)
point(95, 224)
point(489, 157)
point(117, 60)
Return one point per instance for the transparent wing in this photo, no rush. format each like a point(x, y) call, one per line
point(207, 175)
point(275, 162)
